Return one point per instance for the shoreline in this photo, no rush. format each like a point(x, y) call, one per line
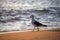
point(50, 30)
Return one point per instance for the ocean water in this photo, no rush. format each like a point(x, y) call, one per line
point(14, 14)
point(11, 20)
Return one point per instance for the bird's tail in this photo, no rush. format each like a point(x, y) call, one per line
point(45, 25)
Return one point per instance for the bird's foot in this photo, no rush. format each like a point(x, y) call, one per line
point(32, 30)
point(38, 30)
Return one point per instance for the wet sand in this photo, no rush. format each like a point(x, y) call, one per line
point(36, 35)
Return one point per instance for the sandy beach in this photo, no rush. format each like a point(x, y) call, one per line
point(36, 35)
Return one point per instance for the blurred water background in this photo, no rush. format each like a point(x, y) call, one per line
point(14, 14)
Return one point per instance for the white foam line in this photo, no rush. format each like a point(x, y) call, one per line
point(14, 32)
point(17, 31)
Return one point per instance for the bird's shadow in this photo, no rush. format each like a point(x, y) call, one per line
point(48, 30)
point(54, 30)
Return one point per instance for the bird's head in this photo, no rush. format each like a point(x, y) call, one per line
point(31, 16)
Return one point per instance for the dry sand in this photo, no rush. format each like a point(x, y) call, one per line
point(36, 35)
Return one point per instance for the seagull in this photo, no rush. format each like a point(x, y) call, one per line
point(36, 23)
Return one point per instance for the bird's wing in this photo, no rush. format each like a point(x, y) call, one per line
point(38, 23)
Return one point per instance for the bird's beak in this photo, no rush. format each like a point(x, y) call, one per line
point(30, 17)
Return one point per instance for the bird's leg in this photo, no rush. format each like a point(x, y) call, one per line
point(34, 29)
point(38, 28)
